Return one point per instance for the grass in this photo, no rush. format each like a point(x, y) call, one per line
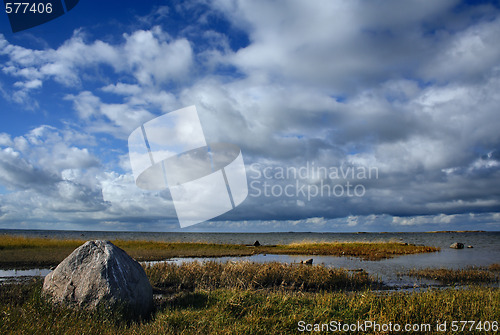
point(463, 276)
point(364, 250)
point(212, 275)
point(19, 252)
point(23, 310)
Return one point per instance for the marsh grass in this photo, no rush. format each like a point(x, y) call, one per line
point(233, 311)
point(468, 275)
point(22, 252)
point(364, 250)
point(211, 275)
point(19, 252)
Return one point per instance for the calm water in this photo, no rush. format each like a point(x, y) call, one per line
point(486, 249)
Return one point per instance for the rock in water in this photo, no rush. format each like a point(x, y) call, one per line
point(99, 273)
point(457, 245)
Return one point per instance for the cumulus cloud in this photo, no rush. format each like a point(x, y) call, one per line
point(345, 45)
point(407, 89)
point(151, 57)
point(46, 174)
point(114, 119)
point(52, 180)
point(5, 139)
point(154, 60)
point(467, 55)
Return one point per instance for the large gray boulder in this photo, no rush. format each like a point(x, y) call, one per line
point(99, 273)
point(457, 245)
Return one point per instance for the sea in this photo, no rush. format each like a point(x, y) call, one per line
point(484, 251)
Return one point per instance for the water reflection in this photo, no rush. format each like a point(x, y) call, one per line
point(9, 274)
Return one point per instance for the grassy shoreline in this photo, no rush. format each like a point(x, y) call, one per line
point(252, 298)
point(22, 252)
point(249, 311)
point(244, 275)
point(469, 275)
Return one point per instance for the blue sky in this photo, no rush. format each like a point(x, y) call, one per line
point(406, 89)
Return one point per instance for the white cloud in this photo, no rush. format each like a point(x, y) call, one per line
point(115, 119)
point(5, 140)
point(123, 89)
point(17, 172)
point(345, 45)
point(29, 85)
point(126, 199)
point(51, 179)
point(151, 56)
point(469, 54)
point(37, 159)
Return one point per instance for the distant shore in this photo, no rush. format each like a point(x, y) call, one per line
point(246, 298)
point(26, 252)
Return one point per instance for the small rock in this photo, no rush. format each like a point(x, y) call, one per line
point(470, 247)
point(256, 244)
point(307, 262)
point(99, 273)
point(457, 245)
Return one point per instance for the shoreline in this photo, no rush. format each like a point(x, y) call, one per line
point(248, 297)
point(253, 311)
point(24, 252)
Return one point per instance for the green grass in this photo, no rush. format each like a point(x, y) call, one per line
point(463, 276)
point(19, 252)
point(23, 310)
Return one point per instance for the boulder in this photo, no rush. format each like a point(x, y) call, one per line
point(307, 262)
point(98, 273)
point(457, 245)
point(256, 244)
point(470, 247)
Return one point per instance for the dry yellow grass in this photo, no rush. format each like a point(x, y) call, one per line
point(365, 250)
point(245, 275)
point(19, 252)
point(462, 276)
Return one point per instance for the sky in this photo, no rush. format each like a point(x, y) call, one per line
point(350, 115)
